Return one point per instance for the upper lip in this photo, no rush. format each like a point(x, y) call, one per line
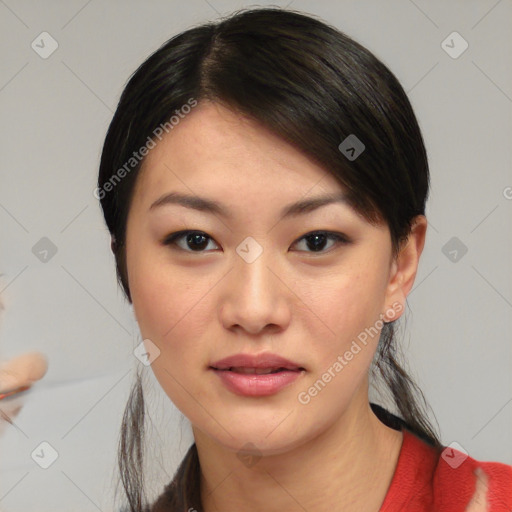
point(266, 360)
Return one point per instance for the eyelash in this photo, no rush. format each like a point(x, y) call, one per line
point(339, 238)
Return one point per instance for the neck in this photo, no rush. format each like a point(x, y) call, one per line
point(352, 462)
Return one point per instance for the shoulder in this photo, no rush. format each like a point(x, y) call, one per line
point(443, 479)
point(461, 481)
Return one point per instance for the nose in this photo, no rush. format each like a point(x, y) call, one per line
point(255, 296)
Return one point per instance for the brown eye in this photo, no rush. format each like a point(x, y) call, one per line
point(316, 240)
point(195, 241)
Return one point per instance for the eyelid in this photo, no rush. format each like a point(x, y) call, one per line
point(333, 234)
point(172, 237)
point(338, 237)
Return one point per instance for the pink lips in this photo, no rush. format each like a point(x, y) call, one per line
point(266, 360)
point(238, 373)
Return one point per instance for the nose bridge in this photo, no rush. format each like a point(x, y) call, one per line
point(252, 267)
point(254, 297)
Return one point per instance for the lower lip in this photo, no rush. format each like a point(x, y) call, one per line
point(257, 385)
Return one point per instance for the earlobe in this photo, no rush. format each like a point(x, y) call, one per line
point(113, 244)
point(394, 311)
point(404, 268)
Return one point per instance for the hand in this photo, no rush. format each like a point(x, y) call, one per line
point(19, 373)
point(16, 375)
point(479, 502)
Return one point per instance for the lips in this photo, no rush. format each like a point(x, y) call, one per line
point(256, 371)
point(259, 364)
point(258, 375)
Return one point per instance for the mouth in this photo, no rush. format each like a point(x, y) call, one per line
point(257, 371)
point(250, 381)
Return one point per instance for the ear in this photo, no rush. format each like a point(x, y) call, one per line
point(403, 270)
point(113, 244)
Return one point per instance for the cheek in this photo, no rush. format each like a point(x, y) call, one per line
point(170, 304)
point(170, 311)
point(349, 303)
point(152, 303)
point(347, 325)
point(346, 335)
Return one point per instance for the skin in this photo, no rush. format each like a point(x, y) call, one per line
point(307, 306)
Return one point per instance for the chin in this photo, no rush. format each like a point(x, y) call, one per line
point(264, 438)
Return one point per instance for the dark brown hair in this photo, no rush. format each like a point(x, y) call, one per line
point(313, 86)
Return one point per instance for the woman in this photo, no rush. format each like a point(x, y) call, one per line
point(264, 182)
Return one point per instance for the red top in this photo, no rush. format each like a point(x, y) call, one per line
point(427, 479)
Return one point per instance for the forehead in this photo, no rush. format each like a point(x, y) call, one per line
point(214, 151)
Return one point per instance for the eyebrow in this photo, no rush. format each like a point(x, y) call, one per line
point(204, 204)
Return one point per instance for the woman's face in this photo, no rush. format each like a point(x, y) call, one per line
point(253, 283)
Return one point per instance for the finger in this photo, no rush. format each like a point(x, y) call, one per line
point(479, 502)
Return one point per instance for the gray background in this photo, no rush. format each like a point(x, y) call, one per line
point(55, 113)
